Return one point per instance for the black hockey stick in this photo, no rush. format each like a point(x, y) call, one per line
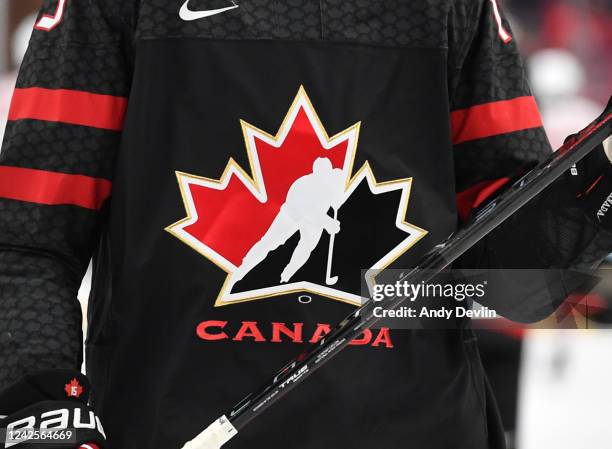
point(497, 211)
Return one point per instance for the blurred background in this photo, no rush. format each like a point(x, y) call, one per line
point(554, 388)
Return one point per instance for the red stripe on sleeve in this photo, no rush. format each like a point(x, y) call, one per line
point(69, 106)
point(51, 188)
point(492, 119)
point(475, 196)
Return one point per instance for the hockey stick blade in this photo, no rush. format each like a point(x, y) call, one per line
point(332, 280)
point(498, 210)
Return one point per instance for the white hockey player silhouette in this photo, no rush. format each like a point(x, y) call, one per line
point(305, 210)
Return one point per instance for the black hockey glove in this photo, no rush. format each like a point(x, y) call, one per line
point(593, 178)
point(48, 409)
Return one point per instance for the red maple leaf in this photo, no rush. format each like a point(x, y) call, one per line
point(73, 389)
point(229, 215)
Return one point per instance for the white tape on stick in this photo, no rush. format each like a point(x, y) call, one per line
point(214, 436)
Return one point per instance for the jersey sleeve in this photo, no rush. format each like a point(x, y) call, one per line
point(496, 127)
point(56, 172)
point(497, 134)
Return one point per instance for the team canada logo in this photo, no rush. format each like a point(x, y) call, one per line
point(301, 219)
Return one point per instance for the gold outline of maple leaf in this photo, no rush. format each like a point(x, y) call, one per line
point(256, 185)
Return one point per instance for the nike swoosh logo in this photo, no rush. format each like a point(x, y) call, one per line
point(188, 15)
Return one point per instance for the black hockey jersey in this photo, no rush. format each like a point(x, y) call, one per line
point(196, 149)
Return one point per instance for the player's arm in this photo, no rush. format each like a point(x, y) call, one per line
point(497, 134)
point(56, 177)
point(496, 127)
